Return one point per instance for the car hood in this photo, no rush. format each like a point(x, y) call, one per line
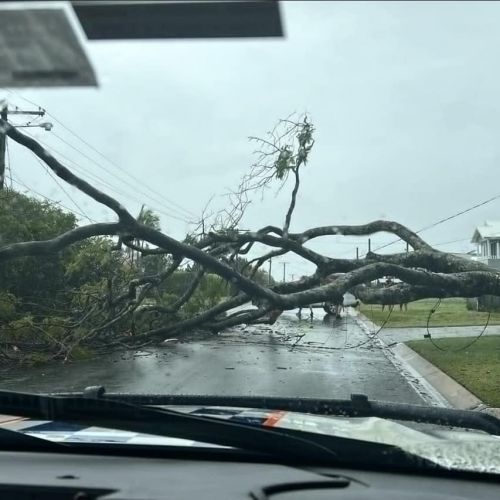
point(450, 448)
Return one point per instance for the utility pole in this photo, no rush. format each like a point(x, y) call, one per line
point(4, 115)
point(284, 271)
point(369, 245)
point(357, 253)
point(3, 145)
point(270, 268)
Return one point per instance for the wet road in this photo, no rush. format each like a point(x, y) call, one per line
point(291, 358)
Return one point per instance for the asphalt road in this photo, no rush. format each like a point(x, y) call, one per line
point(291, 358)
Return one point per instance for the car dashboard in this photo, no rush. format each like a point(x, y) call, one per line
point(59, 476)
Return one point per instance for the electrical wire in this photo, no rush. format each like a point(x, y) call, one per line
point(96, 178)
point(445, 219)
point(135, 179)
point(433, 342)
point(178, 209)
point(51, 175)
point(364, 342)
point(179, 213)
point(21, 183)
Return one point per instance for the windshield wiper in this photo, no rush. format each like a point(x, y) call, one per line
point(282, 444)
point(161, 422)
point(18, 441)
point(357, 406)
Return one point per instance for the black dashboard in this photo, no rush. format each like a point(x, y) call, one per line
point(59, 476)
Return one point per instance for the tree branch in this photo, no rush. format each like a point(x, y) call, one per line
point(364, 230)
point(65, 174)
point(60, 242)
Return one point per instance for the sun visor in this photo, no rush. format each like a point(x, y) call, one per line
point(39, 48)
point(186, 19)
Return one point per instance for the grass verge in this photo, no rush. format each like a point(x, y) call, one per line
point(451, 312)
point(476, 367)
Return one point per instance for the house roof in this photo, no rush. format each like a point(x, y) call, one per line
point(490, 229)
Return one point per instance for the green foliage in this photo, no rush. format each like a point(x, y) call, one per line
point(284, 162)
point(261, 276)
point(37, 280)
point(20, 329)
point(294, 154)
point(210, 292)
point(80, 353)
point(35, 359)
point(168, 299)
point(55, 327)
point(94, 260)
point(7, 307)
point(154, 264)
point(177, 283)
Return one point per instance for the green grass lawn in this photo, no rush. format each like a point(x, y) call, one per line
point(477, 367)
point(451, 312)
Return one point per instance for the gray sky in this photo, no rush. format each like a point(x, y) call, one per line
point(404, 97)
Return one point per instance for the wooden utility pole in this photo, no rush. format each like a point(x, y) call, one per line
point(270, 268)
point(4, 115)
point(369, 245)
point(357, 253)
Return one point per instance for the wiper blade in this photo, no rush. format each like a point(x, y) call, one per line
point(357, 406)
point(17, 440)
point(161, 422)
point(283, 445)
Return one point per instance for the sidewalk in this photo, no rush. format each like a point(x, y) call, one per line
point(391, 335)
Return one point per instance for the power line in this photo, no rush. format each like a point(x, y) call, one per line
point(96, 178)
point(180, 214)
point(162, 196)
point(445, 219)
point(111, 162)
point(21, 183)
point(450, 242)
point(62, 188)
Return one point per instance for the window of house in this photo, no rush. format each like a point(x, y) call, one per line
point(493, 249)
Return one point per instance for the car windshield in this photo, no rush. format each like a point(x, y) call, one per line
point(289, 199)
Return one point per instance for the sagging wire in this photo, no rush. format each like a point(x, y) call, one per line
point(370, 337)
point(434, 343)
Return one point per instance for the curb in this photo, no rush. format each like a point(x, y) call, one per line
point(455, 394)
point(429, 394)
point(435, 386)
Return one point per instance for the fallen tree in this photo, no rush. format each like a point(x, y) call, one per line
point(218, 245)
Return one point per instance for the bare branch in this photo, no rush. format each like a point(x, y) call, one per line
point(64, 173)
point(364, 230)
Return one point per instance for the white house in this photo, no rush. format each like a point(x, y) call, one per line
point(487, 239)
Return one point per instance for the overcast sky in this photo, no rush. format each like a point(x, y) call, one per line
point(405, 99)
